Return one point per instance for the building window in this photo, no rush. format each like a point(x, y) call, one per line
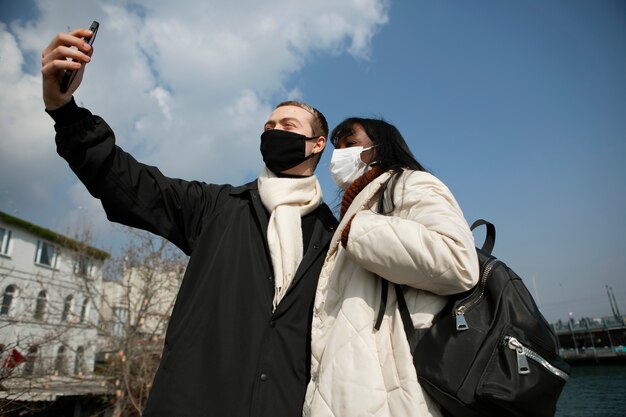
point(31, 361)
point(82, 267)
point(83, 310)
point(120, 316)
point(5, 241)
point(7, 300)
point(40, 305)
point(79, 361)
point(46, 254)
point(60, 361)
point(67, 307)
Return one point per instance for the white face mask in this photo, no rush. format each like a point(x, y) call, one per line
point(346, 165)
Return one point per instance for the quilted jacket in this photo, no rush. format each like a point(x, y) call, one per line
point(424, 244)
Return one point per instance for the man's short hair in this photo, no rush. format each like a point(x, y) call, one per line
point(318, 122)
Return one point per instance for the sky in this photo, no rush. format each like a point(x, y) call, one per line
point(518, 106)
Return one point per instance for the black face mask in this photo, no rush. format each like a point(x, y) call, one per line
point(282, 149)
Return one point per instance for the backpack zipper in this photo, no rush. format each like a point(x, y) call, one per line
point(459, 312)
point(523, 353)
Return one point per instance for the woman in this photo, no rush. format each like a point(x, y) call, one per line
point(421, 241)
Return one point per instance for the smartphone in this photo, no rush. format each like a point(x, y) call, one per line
point(69, 75)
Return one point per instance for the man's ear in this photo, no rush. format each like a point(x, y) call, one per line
point(320, 144)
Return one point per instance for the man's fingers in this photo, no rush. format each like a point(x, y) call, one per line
point(70, 39)
point(58, 65)
point(63, 52)
point(80, 33)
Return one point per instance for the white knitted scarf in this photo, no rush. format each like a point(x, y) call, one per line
point(287, 199)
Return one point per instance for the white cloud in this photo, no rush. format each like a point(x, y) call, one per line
point(28, 163)
point(10, 57)
point(163, 98)
point(184, 84)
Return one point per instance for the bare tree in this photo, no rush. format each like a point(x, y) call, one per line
point(135, 311)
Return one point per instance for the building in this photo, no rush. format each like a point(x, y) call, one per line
point(142, 300)
point(50, 288)
point(592, 340)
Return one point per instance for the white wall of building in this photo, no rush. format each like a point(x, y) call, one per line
point(66, 329)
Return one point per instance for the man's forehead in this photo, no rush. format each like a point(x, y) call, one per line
point(293, 112)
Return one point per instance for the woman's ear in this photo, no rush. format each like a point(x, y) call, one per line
point(369, 156)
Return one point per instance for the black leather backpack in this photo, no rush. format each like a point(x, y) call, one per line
point(490, 352)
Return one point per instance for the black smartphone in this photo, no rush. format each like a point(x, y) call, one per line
point(69, 75)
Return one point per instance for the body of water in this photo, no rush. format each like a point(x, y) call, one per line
point(594, 391)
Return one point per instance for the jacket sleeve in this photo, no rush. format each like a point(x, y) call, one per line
point(131, 193)
point(426, 243)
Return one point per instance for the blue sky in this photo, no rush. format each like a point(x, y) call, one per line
point(519, 107)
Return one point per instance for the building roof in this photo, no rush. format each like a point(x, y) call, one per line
point(57, 238)
point(49, 388)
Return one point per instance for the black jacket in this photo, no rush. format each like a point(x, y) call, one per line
point(226, 353)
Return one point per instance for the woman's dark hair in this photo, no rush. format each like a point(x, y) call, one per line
point(392, 151)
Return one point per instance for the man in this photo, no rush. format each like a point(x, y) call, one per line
point(238, 341)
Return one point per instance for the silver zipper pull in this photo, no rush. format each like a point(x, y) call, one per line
point(461, 323)
point(522, 361)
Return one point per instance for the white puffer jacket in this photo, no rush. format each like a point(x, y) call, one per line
point(425, 244)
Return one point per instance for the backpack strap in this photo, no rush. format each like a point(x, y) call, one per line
point(404, 313)
point(383, 302)
point(490, 238)
point(413, 335)
point(384, 291)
